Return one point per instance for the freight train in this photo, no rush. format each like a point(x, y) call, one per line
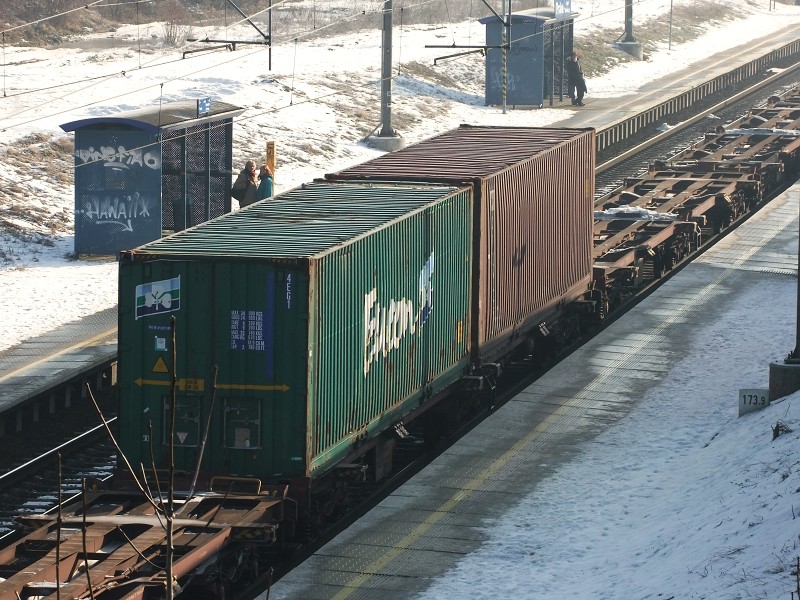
point(269, 357)
point(337, 313)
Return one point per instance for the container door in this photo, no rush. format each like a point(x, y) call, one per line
point(247, 320)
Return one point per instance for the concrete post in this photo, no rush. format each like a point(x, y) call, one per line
point(784, 378)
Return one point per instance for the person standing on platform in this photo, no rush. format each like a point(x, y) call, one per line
point(264, 183)
point(245, 188)
point(575, 80)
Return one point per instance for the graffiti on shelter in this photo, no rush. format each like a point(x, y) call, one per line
point(120, 157)
point(120, 211)
point(118, 185)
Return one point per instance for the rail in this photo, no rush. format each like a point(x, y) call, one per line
point(23, 468)
point(618, 132)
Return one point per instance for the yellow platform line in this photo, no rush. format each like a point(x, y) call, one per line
point(49, 357)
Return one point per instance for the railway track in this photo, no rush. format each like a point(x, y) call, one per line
point(412, 453)
point(33, 487)
point(632, 156)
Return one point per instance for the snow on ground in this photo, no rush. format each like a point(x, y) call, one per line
point(679, 504)
point(318, 102)
point(680, 500)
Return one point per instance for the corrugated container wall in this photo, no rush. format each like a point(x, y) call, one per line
point(534, 194)
point(330, 311)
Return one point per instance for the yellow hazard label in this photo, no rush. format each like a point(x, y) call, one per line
point(160, 366)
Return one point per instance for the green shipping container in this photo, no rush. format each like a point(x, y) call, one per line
point(329, 312)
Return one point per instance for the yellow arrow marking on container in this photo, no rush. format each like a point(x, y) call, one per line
point(189, 384)
point(564, 411)
point(199, 385)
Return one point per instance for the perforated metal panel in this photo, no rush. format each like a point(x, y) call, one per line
point(196, 174)
point(558, 40)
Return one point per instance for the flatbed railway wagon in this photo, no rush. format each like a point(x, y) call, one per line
point(306, 327)
point(533, 193)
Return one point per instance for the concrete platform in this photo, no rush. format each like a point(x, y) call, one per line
point(601, 112)
point(32, 368)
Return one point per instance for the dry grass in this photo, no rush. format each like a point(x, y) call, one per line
point(51, 156)
point(45, 157)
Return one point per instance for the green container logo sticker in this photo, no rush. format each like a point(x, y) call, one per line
point(158, 297)
point(386, 325)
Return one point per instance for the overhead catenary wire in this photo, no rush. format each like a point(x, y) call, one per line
point(157, 64)
point(101, 78)
point(152, 64)
point(60, 14)
point(163, 63)
point(274, 110)
point(450, 21)
point(294, 65)
point(292, 102)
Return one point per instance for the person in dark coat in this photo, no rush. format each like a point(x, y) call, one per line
point(245, 187)
point(264, 183)
point(575, 80)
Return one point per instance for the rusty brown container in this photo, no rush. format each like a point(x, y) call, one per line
point(533, 191)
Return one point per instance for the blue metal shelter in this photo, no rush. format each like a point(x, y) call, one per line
point(540, 41)
point(141, 173)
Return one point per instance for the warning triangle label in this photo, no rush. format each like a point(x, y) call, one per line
point(182, 435)
point(160, 366)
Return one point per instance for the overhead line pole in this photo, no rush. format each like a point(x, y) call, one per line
point(387, 139)
point(505, 45)
point(270, 34)
point(231, 44)
point(506, 41)
point(386, 72)
point(253, 25)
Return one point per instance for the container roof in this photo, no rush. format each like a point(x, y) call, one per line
point(308, 221)
point(463, 154)
point(165, 117)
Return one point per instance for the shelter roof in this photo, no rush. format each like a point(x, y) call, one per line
point(164, 117)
